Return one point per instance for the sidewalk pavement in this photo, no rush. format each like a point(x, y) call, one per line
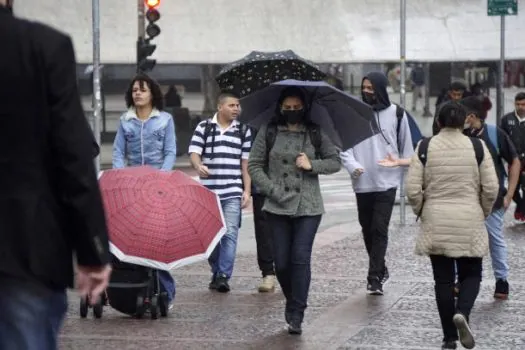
point(340, 314)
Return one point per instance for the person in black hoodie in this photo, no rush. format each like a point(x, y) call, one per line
point(375, 186)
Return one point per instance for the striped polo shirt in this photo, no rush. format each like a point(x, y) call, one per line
point(222, 155)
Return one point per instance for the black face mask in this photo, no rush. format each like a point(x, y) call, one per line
point(369, 98)
point(293, 117)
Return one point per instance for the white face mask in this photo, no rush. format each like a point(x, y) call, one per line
point(466, 126)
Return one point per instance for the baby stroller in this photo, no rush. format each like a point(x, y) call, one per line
point(133, 290)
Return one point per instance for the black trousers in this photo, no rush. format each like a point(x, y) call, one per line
point(263, 237)
point(375, 210)
point(469, 276)
point(519, 195)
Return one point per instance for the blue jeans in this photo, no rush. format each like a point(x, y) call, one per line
point(293, 239)
point(167, 284)
point(223, 257)
point(30, 318)
point(498, 247)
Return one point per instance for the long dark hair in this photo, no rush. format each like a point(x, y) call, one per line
point(157, 99)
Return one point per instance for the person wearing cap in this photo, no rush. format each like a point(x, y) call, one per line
point(502, 150)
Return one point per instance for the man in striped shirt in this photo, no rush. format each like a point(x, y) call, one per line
point(219, 151)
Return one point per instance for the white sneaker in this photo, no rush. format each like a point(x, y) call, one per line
point(465, 334)
point(267, 284)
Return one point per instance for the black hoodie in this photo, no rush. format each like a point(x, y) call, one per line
point(379, 82)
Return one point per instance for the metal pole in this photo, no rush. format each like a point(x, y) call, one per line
point(426, 112)
point(141, 26)
point(501, 75)
point(402, 101)
point(97, 98)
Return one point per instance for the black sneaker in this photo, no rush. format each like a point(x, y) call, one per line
point(449, 344)
point(294, 327)
point(386, 276)
point(374, 287)
point(502, 290)
point(222, 284)
point(465, 334)
point(213, 283)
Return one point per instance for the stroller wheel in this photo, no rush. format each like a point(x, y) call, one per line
point(163, 304)
point(154, 307)
point(140, 307)
point(98, 309)
point(83, 307)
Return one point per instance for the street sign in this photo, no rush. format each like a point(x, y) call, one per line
point(502, 7)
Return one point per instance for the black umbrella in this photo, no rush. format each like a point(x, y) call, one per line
point(259, 69)
point(344, 118)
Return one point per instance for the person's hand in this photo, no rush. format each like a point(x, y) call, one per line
point(203, 171)
point(357, 173)
point(302, 162)
point(92, 281)
point(506, 202)
point(246, 196)
point(389, 161)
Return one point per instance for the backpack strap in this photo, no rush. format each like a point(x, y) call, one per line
point(492, 131)
point(400, 112)
point(478, 149)
point(316, 139)
point(209, 128)
point(423, 150)
point(424, 143)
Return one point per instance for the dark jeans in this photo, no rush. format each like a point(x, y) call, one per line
point(293, 239)
point(30, 318)
point(375, 210)
point(469, 277)
point(263, 237)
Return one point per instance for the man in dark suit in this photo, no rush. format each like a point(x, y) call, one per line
point(50, 203)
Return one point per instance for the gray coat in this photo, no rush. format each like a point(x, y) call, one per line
point(289, 190)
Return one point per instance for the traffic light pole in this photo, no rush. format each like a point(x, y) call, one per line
point(97, 97)
point(141, 27)
point(402, 49)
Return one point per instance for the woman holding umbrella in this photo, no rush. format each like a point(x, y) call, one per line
point(146, 136)
point(286, 171)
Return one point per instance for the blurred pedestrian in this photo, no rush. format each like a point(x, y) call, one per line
point(50, 204)
point(513, 124)
point(417, 76)
point(172, 97)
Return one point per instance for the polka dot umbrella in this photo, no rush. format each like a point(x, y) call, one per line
point(258, 70)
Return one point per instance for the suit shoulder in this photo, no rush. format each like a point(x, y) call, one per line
point(46, 33)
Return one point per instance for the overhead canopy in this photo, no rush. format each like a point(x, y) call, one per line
point(220, 31)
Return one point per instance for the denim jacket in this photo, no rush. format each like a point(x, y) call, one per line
point(150, 142)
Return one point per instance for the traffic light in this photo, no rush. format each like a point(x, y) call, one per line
point(144, 50)
point(144, 46)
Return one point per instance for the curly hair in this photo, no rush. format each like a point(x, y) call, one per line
point(157, 99)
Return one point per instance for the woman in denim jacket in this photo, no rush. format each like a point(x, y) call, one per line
point(288, 175)
point(146, 136)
